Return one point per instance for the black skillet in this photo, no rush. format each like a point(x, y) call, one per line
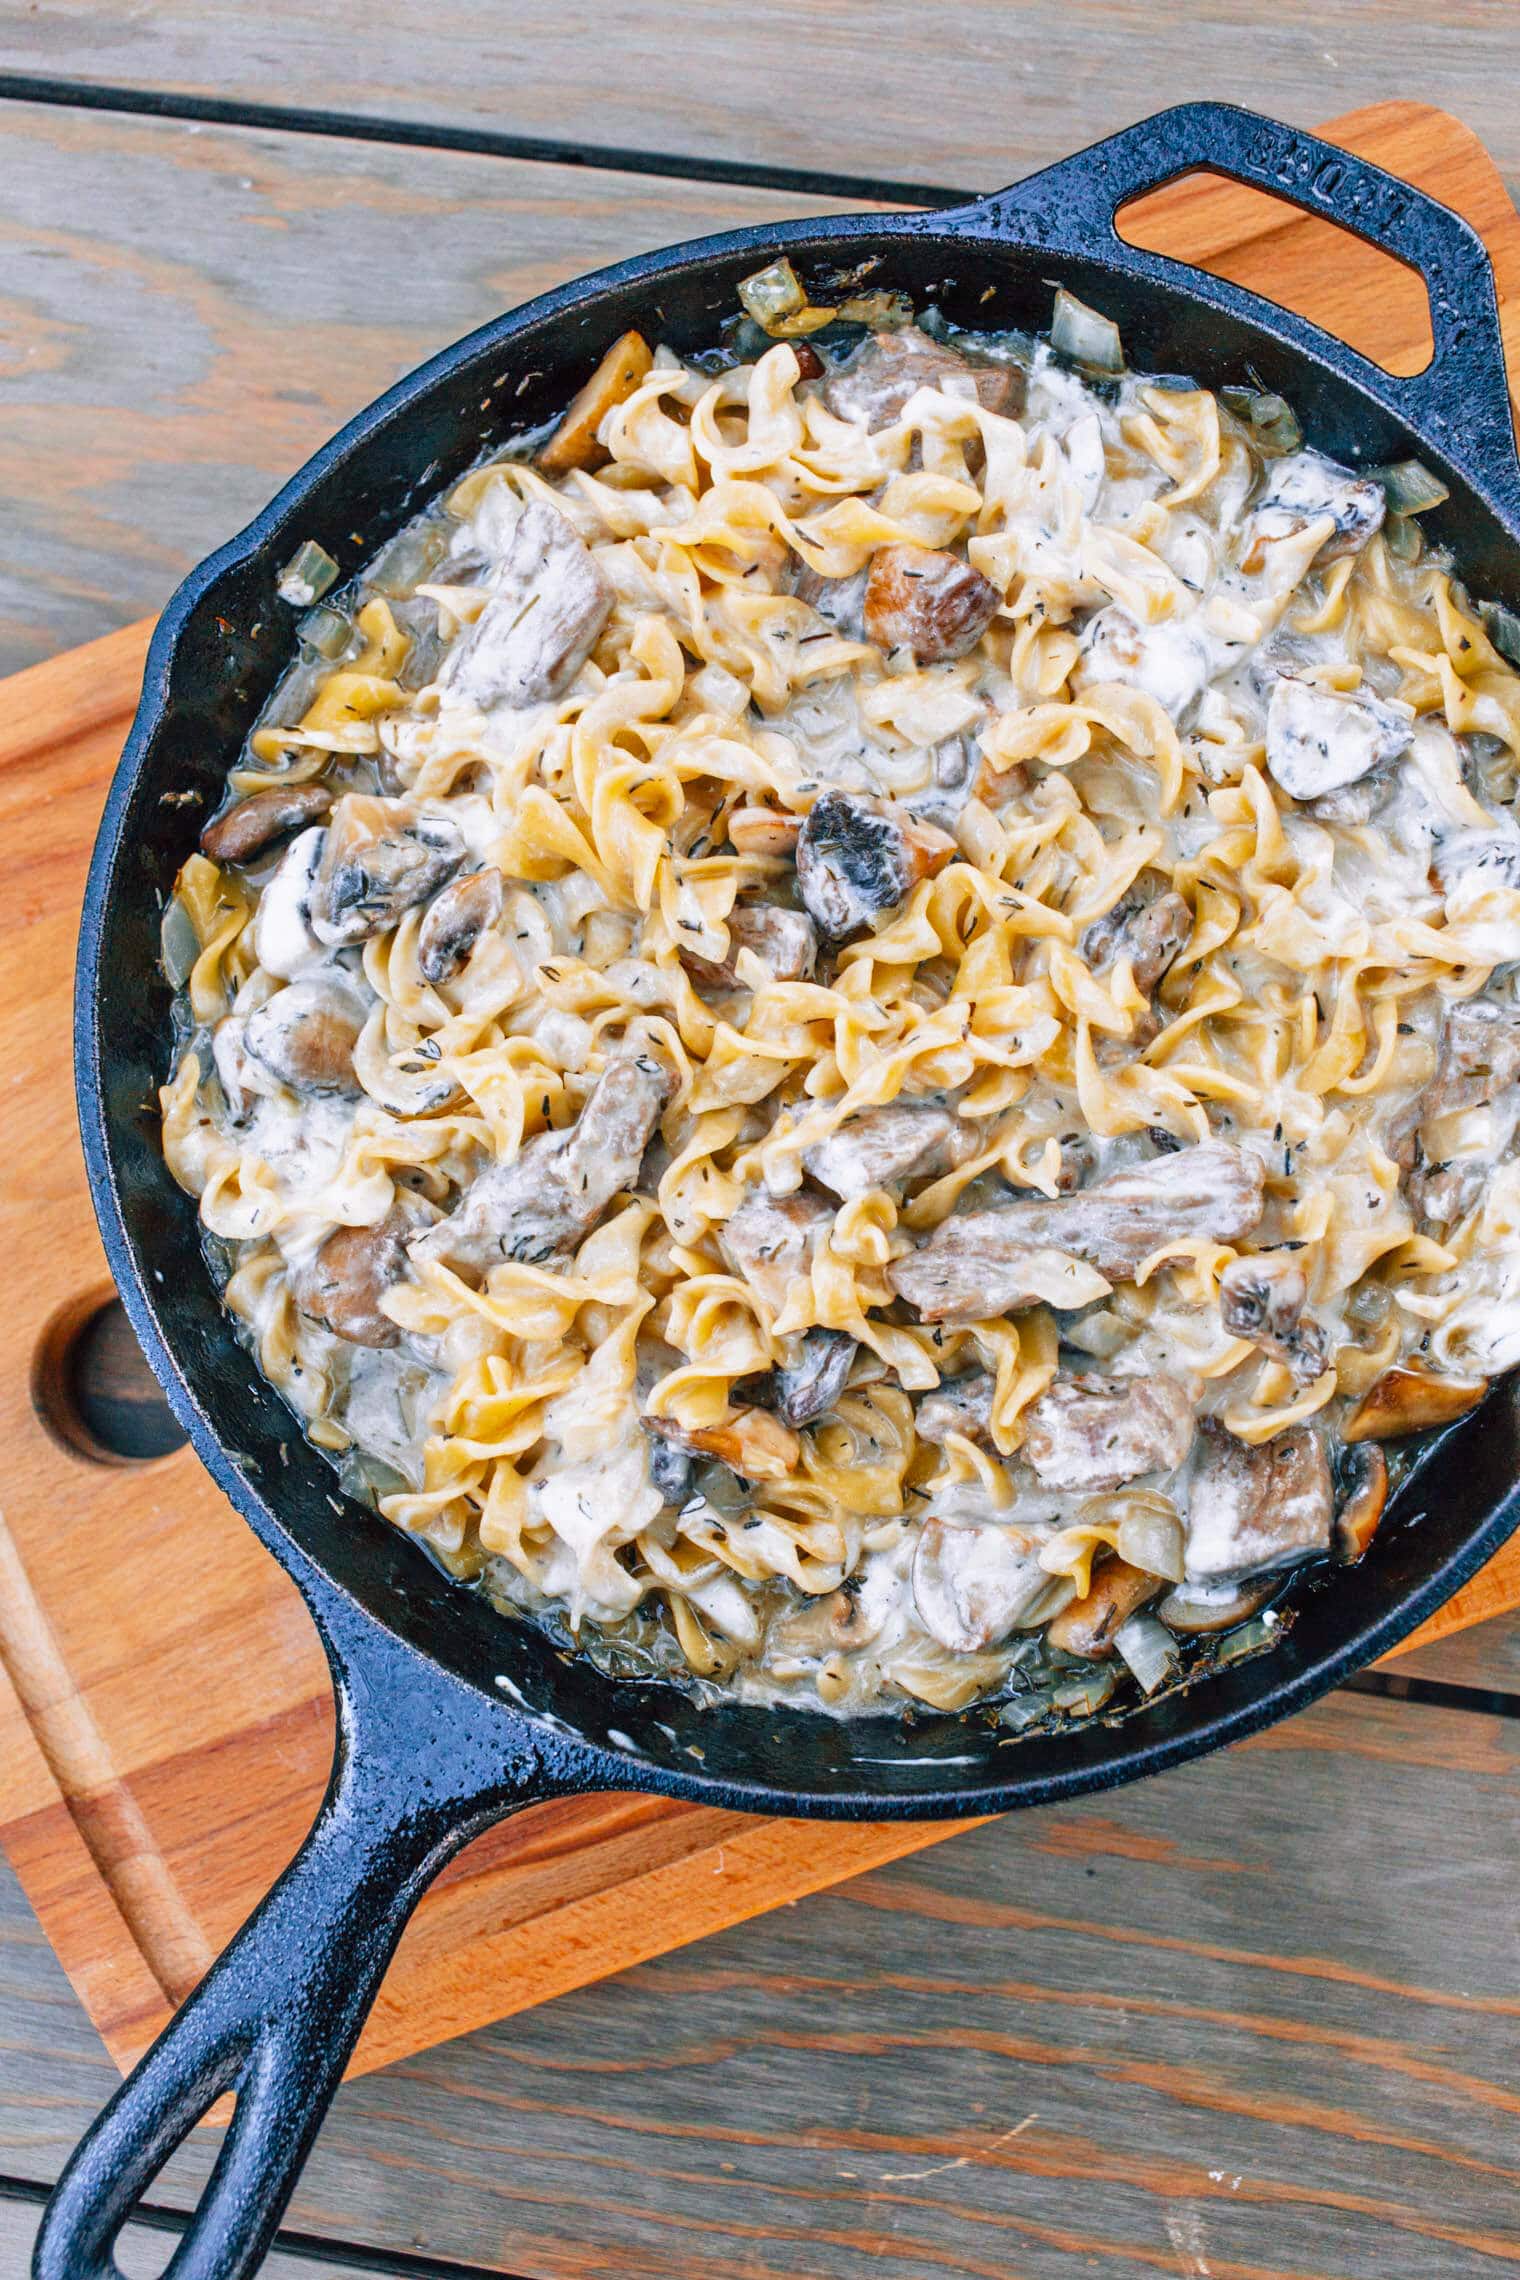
point(448, 1716)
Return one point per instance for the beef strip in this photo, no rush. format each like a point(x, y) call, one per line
point(878, 380)
point(549, 602)
point(1253, 1509)
point(1098, 1432)
point(772, 1239)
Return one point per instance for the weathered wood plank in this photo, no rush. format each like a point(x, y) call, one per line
point(1255, 2018)
point(192, 311)
point(1486, 1657)
point(956, 94)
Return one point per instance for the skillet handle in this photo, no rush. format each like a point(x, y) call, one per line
point(276, 2018)
point(1460, 401)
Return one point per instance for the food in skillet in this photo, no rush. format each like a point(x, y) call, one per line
point(852, 1032)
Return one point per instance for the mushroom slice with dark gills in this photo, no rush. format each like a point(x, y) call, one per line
point(306, 1033)
point(840, 602)
point(1319, 740)
point(672, 1471)
point(1254, 1509)
point(1480, 1056)
point(380, 858)
point(342, 1285)
point(560, 1183)
point(283, 941)
point(878, 380)
point(1212, 1191)
point(808, 1387)
point(771, 1240)
point(1409, 1399)
point(549, 602)
point(752, 1443)
point(924, 600)
point(455, 920)
point(1303, 489)
point(257, 822)
point(856, 861)
point(1147, 933)
point(878, 1146)
point(1098, 1432)
point(974, 1581)
point(1262, 1298)
point(574, 442)
point(957, 1405)
point(784, 941)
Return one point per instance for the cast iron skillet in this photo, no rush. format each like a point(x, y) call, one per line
point(449, 1717)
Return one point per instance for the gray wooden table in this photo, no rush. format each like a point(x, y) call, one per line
point(1256, 2019)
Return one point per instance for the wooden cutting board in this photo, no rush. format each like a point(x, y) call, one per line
point(165, 1726)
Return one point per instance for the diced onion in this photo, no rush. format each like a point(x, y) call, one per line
point(883, 312)
point(1024, 1710)
point(775, 299)
point(1401, 536)
point(325, 630)
point(179, 944)
point(1409, 486)
point(1271, 418)
point(1086, 337)
point(1249, 1638)
point(1149, 1649)
point(307, 576)
point(1079, 1697)
point(1151, 1539)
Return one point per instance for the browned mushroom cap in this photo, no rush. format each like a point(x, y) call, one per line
point(1088, 1625)
point(920, 598)
point(342, 1286)
point(1409, 1399)
point(972, 1584)
point(1194, 1609)
point(751, 1443)
point(857, 860)
point(1357, 1519)
point(574, 443)
point(378, 861)
point(784, 941)
point(455, 920)
point(255, 823)
point(305, 1035)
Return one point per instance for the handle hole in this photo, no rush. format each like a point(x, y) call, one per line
point(1370, 299)
point(93, 1391)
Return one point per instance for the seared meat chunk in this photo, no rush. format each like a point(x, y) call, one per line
point(454, 922)
point(1115, 1225)
point(878, 380)
point(772, 1239)
point(1480, 1056)
point(549, 602)
point(975, 1266)
point(1251, 1510)
point(379, 859)
point(957, 1405)
point(1304, 488)
point(306, 1033)
point(1148, 934)
point(1318, 740)
point(973, 1582)
point(1098, 1432)
point(857, 860)
point(1263, 1299)
point(920, 598)
point(784, 941)
point(574, 442)
point(255, 823)
point(808, 1387)
point(560, 1183)
point(900, 1141)
point(343, 1284)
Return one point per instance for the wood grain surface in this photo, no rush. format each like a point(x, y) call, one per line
point(1256, 2019)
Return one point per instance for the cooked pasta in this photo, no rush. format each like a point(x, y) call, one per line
point(850, 1029)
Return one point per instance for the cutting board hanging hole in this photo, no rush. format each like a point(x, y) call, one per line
point(94, 1392)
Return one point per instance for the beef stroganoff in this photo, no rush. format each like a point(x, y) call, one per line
point(850, 1029)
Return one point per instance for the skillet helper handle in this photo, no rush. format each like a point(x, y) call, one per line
point(1461, 399)
point(276, 2018)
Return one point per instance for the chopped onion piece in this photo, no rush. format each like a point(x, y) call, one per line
point(1149, 1649)
point(179, 944)
point(775, 299)
point(1023, 1710)
point(1151, 1540)
point(1080, 1697)
point(1409, 486)
point(325, 630)
point(1271, 418)
point(1401, 536)
point(1249, 1638)
point(1503, 630)
point(883, 312)
point(1082, 334)
point(307, 576)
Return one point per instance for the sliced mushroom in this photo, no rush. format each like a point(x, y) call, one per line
point(255, 823)
point(1088, 1625)
point(559, 1185)
point(850, 1623)
point(1443, 1194)
point(672, 1471)
point(343, 1284)
point(881, 1145)
point(1262, 1299)
point(772, 1239)
point(1169, 661)
point(1195, 1609)
point(549, 602)
point(809, 1387)
point(306, 1033)
point(380, 858)
point(960, 1405)
point(574, 442)
point(971, 1584)
point(856, 861)
point(1303, 489)
point(839, 601)
point(784, 941)
point(1254, 1509)
point(455, 920)
point(1098, 1432)
point(878, 380)
point(1411, 1399)
point(927, 601)
point(283, 941)
point(764, 831)
point(1318, 739)
point(1147, 935)
point(1492, 858)
point(1212, 1191)
point(973, 1268)
point(752, 1443)
point(1480, 1056)
point(1361, 1507)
